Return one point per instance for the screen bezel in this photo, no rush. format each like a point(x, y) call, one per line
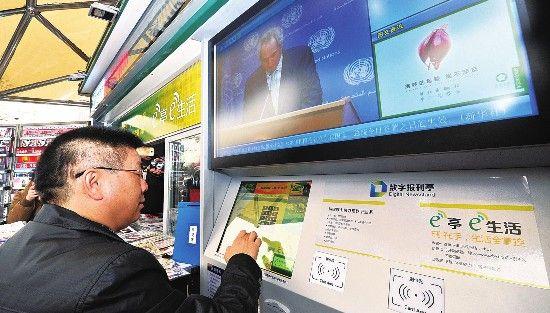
point(517, 132)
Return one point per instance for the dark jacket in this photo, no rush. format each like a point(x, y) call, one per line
point(21, 209)
point(299, 88)
point(62, 262)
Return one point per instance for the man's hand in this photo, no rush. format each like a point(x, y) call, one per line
point(31, 195)
point(247, 243)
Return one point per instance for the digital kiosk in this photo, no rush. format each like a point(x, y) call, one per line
point(425, 189)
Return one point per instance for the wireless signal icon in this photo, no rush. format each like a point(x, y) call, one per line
point(320, 269)
point(428, 298)
point(328, 270)
point(415, 292)
point(335, 273)
point(404, 292)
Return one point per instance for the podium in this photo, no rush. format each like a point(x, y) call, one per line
point(325, 116)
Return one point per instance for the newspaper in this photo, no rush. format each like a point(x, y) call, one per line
point(147, 234)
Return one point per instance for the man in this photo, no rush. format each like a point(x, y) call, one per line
point(285, 81)
point(69, 259)
point(154, 195)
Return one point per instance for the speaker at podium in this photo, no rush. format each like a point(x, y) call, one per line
point(326, 116)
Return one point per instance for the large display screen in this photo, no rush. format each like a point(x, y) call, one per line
point(301, 72)
point(276, 211)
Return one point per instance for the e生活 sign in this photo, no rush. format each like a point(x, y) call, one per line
point(175, 106)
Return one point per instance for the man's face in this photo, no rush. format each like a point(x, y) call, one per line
point(130, 186)
point(270, 54)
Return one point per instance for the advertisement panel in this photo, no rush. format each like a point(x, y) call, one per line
point(175, 106)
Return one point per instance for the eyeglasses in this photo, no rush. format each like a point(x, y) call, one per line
point(137, 172)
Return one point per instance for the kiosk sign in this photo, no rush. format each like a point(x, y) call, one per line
point(174, 107)
point(481, 227)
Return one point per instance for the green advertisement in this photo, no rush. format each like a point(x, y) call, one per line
point(175, 106)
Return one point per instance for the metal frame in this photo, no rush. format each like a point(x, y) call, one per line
point(32, 9)
point(87, 123)
point(47, 101)
point(185, 133)
point(61, 36)
point(43, 83)
point(103, 46)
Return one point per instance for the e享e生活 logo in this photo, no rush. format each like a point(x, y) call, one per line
point(378, 188)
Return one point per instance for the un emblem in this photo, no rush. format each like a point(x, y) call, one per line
point(360, 71)
point(322, 39)
point(251, 43)
point(292, 16)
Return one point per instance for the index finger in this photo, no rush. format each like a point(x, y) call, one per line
point(241, 234)
point(252, 236)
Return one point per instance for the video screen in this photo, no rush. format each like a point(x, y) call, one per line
point(275, 210)
point(307, 72)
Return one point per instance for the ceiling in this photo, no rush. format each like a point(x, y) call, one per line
point(45, 46)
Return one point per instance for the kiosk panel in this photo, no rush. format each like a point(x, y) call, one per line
point(392, 241)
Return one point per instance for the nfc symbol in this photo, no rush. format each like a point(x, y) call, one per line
point(415, 292)
point(328, 270)
point(404, 292)
point(320, 269)
point(333, 272)
point(428, 298)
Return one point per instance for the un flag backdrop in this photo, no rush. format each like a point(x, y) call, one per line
point(339, 35)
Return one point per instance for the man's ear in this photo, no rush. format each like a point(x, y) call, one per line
point(92, 185)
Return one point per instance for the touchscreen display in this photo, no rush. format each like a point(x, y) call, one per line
point(276, 211)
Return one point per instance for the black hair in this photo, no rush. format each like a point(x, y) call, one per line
point(86, 145)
